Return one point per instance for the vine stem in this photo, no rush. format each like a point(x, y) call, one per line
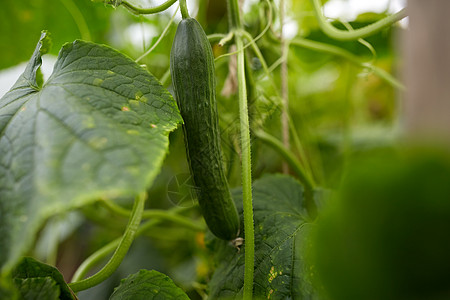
point(163, 34)
point(284, 84)
point(236, 24)
point(155, 213)
point(78, 18)
point(121, 249)
point(252, 41)
point(343, 35)
point(101, 253)
point(147, 11)
point(334, 50)
point(246, 173)
point(184, 9)
point(290, 158)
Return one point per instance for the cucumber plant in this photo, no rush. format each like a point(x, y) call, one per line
point(94, 136)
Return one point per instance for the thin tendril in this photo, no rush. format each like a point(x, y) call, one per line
point(160, 37)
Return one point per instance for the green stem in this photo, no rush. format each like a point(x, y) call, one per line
point(298, 145)
point(120, 252)
point(163, 34)
point(155, 213)
point(100, 254)
point(343, 35)
point(147, 11)
point(257, 52)
point(78, 18)
point(234, 16)
point(216, 37)
point(184, 9)
point(165, 77)
point(290, 158)
point(252, 41)
point(246, 173)
point(235, 24)
point(307, 160)
point(226, 38)
point(94, 259)
point(330, 49)
point(284, 86)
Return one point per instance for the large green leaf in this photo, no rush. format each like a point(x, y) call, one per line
point(148, 285)
point(98, 128)
point(281, 229)
point(29, 268)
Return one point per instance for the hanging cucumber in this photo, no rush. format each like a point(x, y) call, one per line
point(192, 71)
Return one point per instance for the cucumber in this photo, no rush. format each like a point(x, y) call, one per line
point(192, 71)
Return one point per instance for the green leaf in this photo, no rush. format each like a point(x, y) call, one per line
point(31, 268)
point(98, 128)
point(281, 229)
point(148, 285)
point(38, 288)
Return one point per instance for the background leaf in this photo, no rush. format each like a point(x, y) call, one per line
point(148, 285)
point(98, 128)
point(30, 268)
point(281, 229)
point(38, 288)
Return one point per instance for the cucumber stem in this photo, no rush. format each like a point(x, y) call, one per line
point(120, 252)
point(246, 174)
point(184, 9)
point(236, 24)
point(147, 11)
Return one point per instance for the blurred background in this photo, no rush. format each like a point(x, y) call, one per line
point(336, 106)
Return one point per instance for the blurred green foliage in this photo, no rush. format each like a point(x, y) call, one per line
point(21, 22)
point(385, 236)
point(336, 108)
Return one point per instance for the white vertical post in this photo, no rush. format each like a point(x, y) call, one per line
point(427, 70)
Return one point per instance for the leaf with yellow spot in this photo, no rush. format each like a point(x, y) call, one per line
point(76, 142)
point(282, 226)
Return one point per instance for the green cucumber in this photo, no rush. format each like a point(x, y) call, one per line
point(192, 71)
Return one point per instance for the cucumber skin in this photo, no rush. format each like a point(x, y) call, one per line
point(193, 77)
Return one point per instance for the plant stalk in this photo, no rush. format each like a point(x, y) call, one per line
point(156, 214)
point(284, 85)
point(366, 31)
point(147, 11)
point(184, 9)
point(246, 173)
point(120, 252)
point(235, 24)
point(101, 253)
point(334, 50)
